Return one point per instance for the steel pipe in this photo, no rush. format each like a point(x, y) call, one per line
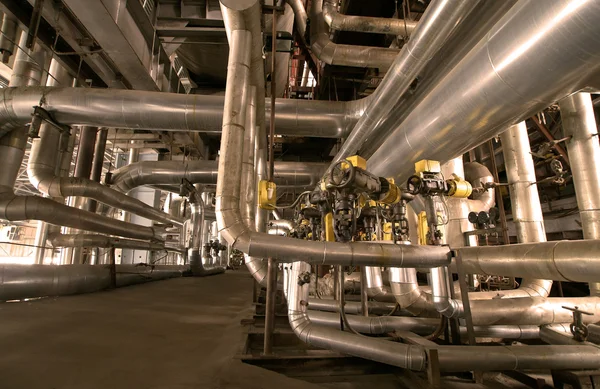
point(343, 55)
point(288, 175)
point(19, 282)
point(392, 26)
point(519, 75)
point(437, 23)
point(572, 261)
point(170, 111)
point(579, 123)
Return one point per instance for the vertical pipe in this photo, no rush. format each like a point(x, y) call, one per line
point(364, 298)
point(579, 123)
point(500, 200)
point(98, 162)
point(272, 265)
point(524, 197)
point(83, 169)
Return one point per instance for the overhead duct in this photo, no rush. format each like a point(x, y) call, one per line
point(537, 53)
point(19, 282)
point(436, 25)
point(288, 175)
point(337, 54)
point(338, 21)
point(169, 111)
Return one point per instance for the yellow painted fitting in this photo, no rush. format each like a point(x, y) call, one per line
point(393, 194)
point(387, 231)
point(329, 234)
point(357, 161)
point(427, 165)
point(305, 222)
point(459, 187)
point(423, 228)
point(267, 195)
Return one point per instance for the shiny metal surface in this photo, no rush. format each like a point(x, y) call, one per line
point(529, 59)
point(579, 123)
point(435, 26)
point(560, 261)
point(374, 285)
point(297, 176)
point(466, 36)
point(524, 198)
point(377, 325)
point(392, 26)
point(170, 111)
point(29, 281)
point(41, 171)
point(343, 55)
point(89, 240)
point(396, 354)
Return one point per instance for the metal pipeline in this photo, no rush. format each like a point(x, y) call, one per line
point(379, 325)
point(451, 358)
point(435, 26)
point(337, 21)
point(256, 244)
point(505, 67)
point(170, 111)
point(88, 240)
point(579, 123)
point(41, 171)
point(572, 261)
point(288, 175)
point(198, 238)
point(338, 54)
point(19, 282)
point(525, 201)
point(465, 36)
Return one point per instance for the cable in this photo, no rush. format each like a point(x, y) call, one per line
point(293, 205)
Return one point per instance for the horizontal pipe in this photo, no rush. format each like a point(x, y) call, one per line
point(392, 26)
point(379, 325)
point(19, 282)
point(292, 175)
point(19, 208)
point(576, 261)
point(134, 109)
point(88, 240)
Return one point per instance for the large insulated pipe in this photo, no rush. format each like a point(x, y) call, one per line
point(179, 112)
point(338, 21)
point(436, 25)
point(344, 55)
point(529, 59)
point(572, 261)
point(19, 282)
point(465, 36)
point(525, 201)
point(579, 123)
point(288, 175)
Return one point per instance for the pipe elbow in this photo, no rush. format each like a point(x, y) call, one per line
point(451, 308)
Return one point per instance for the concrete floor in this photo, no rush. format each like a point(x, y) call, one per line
point(179, 333)
point(176, 334)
